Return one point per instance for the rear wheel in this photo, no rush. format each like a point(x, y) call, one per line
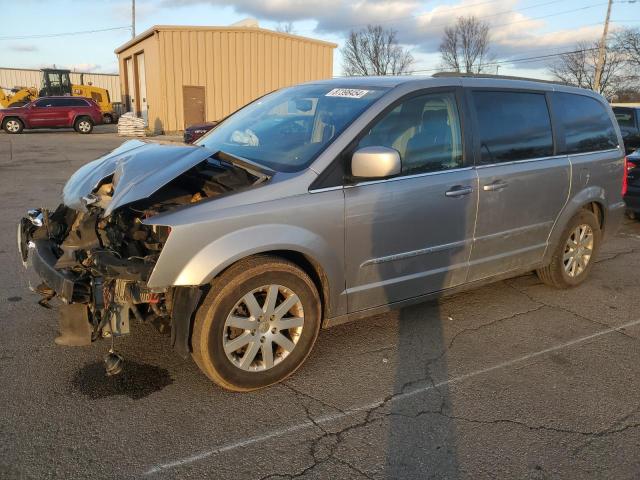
point(13, 125)
point(257, 324)
point(574, 256)
point(107, 119)
point(83, 125)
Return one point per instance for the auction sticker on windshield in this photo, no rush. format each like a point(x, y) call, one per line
point(347, 93)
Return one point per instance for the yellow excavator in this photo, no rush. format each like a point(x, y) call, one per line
point(58, 82)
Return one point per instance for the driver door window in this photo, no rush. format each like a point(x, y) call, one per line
point(425, 131)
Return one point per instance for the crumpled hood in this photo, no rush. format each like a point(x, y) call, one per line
point(139, 169)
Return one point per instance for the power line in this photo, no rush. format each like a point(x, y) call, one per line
point(64, 34)
point(515, 60)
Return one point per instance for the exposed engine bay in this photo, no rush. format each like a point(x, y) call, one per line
point(99, 258)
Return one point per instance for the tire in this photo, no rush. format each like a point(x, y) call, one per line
point(216, 348)
point(83, 125)
point(13, 125)
point(107, 119)
point(631, 215)
point(565, 273)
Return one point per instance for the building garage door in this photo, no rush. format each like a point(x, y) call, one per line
point(193, 101)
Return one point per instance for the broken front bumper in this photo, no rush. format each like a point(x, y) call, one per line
point(38, 258)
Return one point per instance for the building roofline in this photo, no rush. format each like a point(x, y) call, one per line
point(166, 28)
point(70, 71)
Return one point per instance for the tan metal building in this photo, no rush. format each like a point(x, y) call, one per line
point(175, 76)
point(24, 77)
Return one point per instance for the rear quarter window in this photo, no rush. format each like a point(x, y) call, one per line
point(586, 123)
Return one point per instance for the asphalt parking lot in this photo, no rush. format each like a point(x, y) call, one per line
point(513, 380)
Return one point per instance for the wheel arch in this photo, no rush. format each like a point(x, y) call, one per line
point(180, 266)
point(592, 199)
point(16, 117)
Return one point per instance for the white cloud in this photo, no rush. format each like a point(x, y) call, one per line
point(83, 67)
point(23, 47)
point(512, 32)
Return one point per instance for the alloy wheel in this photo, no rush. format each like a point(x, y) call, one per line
point(578, 250)
point(84, 126)
point(263, 328)
point(13, 126)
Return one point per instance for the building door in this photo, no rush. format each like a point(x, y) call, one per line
point(193, 101)
point(142, 87)
point(131, 85)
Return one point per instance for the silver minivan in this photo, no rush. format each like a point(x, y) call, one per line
point(324, 203)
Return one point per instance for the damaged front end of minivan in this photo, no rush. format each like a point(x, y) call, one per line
point(96, 251)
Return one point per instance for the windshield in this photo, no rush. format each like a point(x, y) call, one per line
point(286, 130)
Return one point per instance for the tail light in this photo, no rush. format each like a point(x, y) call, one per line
point(625, 173)
point(628, 166)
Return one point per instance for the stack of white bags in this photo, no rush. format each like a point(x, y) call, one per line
point(131, 126)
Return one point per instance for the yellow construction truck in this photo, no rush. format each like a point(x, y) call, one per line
point(58, 82)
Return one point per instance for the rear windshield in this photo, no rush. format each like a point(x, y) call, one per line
point(286, 130)
point(624, 116)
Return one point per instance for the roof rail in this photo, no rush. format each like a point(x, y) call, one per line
point(503, 77)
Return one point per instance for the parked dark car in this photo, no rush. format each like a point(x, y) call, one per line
point(194, 132)
point(629, 121)
point(631, 188)
point(52, 112)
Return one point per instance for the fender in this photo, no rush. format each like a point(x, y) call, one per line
point(214, 257)
point(575, 203)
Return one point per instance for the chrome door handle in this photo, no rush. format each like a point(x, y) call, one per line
point(458, 191)
point(495, 186)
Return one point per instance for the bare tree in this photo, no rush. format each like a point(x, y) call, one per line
point(375, 51)
point(285, 27)
point(578, 68)
point(465, 47)
point(627, 42)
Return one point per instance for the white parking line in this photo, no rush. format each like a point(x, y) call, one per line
point(355, 410)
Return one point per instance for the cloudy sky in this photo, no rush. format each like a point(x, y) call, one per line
point(519, 28)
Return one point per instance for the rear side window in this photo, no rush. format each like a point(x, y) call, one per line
point(77, 102)
point(624, 116)
point(96, 97)
point(586, 123)
point(58, 102)
point(512, 126)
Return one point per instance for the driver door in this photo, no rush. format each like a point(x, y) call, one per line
point(412, 234)
point(44, 113)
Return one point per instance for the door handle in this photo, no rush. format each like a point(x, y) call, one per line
point(495, 186)
point(458, 191)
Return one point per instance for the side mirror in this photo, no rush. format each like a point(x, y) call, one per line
point(375, 162)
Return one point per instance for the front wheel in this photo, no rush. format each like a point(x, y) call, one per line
point(257, 324)
point(574, 256)
point(83, 125)
point(13, 125)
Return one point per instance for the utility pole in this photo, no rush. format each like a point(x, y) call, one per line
point(601, 51)
point(133, 18)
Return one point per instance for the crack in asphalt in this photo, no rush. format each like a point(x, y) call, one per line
point(542, 303)
point(372, 408)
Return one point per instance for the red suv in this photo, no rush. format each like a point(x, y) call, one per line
point(52, 112)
